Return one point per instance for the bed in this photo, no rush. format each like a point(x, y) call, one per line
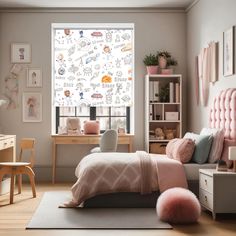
point(135, 199)
point(222, 115)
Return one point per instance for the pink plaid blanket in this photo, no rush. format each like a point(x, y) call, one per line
point(102, 173)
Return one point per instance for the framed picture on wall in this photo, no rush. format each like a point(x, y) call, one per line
point(228, 52)
point(20, 53)
point(32, 107)
point(34, 78)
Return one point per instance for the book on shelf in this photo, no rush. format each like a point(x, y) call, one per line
point(177, 92)
point(156, 91)
point(154, 112)
point(171, 92)
point(151, 91)
point(150, 112)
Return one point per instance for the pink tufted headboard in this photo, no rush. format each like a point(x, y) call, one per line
point(223, 112)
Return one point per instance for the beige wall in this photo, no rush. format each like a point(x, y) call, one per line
point(206, 22)
point(153, 31)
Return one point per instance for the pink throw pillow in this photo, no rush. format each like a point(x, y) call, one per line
point(91, 127)
point(217, 143)
point(225, 153)
point(180, 149)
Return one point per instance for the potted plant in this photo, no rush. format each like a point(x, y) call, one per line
point(164, 93)
point(151, 63)
point(163, 57)
point(171, 63)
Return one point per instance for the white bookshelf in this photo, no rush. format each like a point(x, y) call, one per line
point(157, 109)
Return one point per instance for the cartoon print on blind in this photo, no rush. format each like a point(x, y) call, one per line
point(93, 67)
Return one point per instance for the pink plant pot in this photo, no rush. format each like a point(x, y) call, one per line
point(167, 71)
point(151, 70)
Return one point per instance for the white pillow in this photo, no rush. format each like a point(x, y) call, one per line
point(217, 144)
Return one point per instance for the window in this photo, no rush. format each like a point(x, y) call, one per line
point(92, 75)
point(109, 117)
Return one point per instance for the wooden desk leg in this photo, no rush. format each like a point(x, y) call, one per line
point(19, 181)
point(12, 187)
point(54, 157)
point(130, 145)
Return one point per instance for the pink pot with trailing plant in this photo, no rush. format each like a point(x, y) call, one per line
point(162, 62)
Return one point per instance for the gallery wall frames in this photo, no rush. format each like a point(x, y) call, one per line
point(228, 52)
point(32, 107)
point(20, 53)
point(34, 78)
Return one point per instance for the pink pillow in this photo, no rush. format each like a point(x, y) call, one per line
point(217, 143)
point(225, 154)
point(91, 127)
point(180, 149)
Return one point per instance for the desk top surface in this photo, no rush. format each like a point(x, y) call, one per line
point(88, 135)
point(6, 136)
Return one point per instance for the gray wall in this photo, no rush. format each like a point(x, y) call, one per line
point(206, 22)
point(154, 30)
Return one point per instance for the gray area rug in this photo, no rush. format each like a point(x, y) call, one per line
point(49, 216)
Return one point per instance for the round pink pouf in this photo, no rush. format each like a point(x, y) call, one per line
point(178, 206)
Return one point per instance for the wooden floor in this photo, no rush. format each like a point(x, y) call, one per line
point(14, 218)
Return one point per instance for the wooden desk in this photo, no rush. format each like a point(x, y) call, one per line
point(7, 153)
point(82, 139)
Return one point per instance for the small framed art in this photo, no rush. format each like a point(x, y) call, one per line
point(34, 78)
point(228, 52)
point(32, 107)
point(20, 53)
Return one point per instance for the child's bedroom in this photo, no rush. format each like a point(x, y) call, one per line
point(118, 117)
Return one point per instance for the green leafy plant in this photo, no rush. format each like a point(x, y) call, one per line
point(150, 60)
point(172, 62)
point(164, 54)
point(164, 93)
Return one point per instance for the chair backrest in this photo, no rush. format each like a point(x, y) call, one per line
point(108, 142)
point(28, 144)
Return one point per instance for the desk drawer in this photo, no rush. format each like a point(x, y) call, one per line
point(123, 140)
point(206, 199)
point(206, 183)
point(6, 143)
point(72, 140)
point(94, 140)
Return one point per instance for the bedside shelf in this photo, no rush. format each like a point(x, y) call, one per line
point(165, 115)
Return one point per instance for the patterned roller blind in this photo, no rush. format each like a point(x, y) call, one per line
point(93, 65)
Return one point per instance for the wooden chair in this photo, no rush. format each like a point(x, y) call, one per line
point(19, 168)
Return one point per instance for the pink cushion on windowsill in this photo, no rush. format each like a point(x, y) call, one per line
point(91, 127)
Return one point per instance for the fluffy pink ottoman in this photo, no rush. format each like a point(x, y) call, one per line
point(178, 205)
